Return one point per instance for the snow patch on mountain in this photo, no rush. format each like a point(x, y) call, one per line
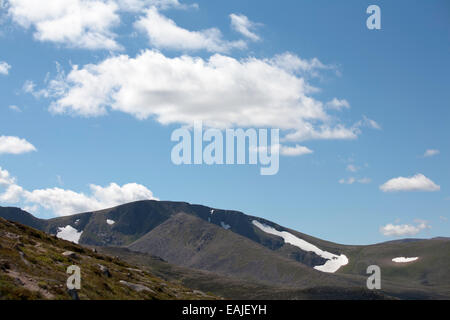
point(110, 222)
point(224, 225)
point(404, 260)
point(334, 261)
point(69, 233)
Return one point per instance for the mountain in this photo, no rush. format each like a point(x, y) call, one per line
point(253, 250)
point(23, 217)
point(33, 265)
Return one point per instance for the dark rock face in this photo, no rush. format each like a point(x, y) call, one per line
point(133, 221)
point(308, 258)
point(23, 217)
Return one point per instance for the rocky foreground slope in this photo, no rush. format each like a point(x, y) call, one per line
point(33, 265)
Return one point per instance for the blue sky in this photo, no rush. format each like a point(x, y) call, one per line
point(392, 85)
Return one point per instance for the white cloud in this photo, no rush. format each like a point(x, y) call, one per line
point(4, 68)
point(84, 24)
point(14, 108)
point(243, 25)
point(164, 33)
point(114, 194)
point(431, 152)
point(294, 151)
point(337, 104)
point(5, 178)
point(293, 63)
point(417, 182)
point(139, 5)
point(15, 145)
point(220, 91)
point(64, 202)
point(401, 230)
point(284, 150)
point(12, 194)
point(352, 168)
point(308, 131)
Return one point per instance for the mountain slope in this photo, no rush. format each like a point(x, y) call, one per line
point(201, 245)
point(250, 248)
point(33, 266)
point(235, 288)
point(23, 217)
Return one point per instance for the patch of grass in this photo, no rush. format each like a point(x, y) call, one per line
point(37, 257)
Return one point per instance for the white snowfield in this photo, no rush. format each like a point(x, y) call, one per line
point(334, 261)
point(69, 233)
point(404, 260)
point(110, 222)
point(224, 225)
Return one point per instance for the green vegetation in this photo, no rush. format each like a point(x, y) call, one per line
point(242, 262)
point(32, 266)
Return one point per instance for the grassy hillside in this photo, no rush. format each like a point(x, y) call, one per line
point(191, 242)
point(228, 244)
point(232, 287)
point(33, 266)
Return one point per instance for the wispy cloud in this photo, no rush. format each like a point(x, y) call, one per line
point(353, 180)
point(244, 26)
point(164, 33)
point(431, 153)
point(14, 108)
point(352, 168)
point(294, 151)
point(337, 104)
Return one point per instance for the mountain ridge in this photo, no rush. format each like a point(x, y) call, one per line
point(237, 245)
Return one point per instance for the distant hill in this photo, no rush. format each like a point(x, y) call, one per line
point(254, 250)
